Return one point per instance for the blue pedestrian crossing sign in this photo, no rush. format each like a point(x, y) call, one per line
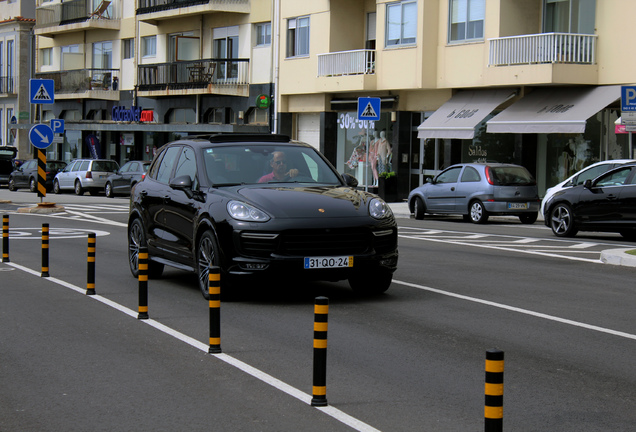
point(41, 91)
point(369, 108)
point(41, 135)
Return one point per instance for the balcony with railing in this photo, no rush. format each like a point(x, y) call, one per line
point(164, 9)
point(75, 15)
point(205, 76)
point(84, 83)
point(347, 70)
point(8, 85)
point(543, 49)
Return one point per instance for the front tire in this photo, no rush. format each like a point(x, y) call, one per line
point(33, 185)
point(478, 213)
point(207, 255)
point(562, 221)
point(12, 187)
point(372, 283)
point(136, 240)
point(419, 209)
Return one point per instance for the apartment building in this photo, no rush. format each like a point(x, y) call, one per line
point(17, 19)
point(132, 75)
point(533, 82)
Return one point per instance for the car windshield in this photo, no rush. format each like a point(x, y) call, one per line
point(512, 176)
point(105, 166)
point(266, 164)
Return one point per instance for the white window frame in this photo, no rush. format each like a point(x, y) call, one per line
point(403, 32)
point(297, 41)
point(467, 13)
point(263, 34)
point(149, 46)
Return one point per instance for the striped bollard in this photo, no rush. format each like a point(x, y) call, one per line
point(90, 268)
point(5, 238)
point(214, 292)
point(142, 264)
point(41, 188)
point(45, 250)
point(494, 390)
point(321, 313)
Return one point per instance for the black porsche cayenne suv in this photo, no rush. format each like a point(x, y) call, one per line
point(259, 206)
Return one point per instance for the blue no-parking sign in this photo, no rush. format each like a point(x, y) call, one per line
point(369, 108)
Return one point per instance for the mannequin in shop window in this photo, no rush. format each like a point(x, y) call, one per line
point(373, 151)
point(383, 151)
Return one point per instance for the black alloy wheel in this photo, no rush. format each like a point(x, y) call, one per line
point(207, 255)
point(137, 239)
point(562, 221)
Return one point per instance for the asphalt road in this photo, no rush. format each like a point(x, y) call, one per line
point(412, 359)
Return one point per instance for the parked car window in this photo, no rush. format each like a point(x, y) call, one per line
point(105, 166)
point(590, 174)
point(167, 164)
point(29, 165)
point(449, 176)
point(187, 165)
point(84, 166)
point(617, 178)
point(470, 175)
point(512, 176)
point(132, 166)
point(55, 166)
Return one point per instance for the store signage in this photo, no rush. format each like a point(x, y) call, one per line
point(123, 114)
point(147, 115)
point(263, 101)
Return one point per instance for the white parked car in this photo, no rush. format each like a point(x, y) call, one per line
point(85, 175)
point(590, 172)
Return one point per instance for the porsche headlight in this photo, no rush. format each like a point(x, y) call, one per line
point(245, 212)
point(378, 209)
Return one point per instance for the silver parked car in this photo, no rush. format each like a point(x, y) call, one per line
point(477, 190)
point(83, 175)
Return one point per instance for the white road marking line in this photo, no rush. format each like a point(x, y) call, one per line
point(335, 413)
point(520, 310)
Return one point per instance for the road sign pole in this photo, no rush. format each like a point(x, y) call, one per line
point(366, 166)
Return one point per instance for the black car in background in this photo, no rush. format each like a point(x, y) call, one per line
point(7, 154)
point(217, 202)
point(606, 204)
point(123, 180)
point(26, 175)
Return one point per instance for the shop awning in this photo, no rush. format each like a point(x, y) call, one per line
point(458, 117)
point(554, 110)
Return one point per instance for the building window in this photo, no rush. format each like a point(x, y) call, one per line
point(263, 34)
point(569, 16)
point(298, 37)
point(47, 56)
point(128, 48)
point(401, 23)
point(10, 71)
point(149, 46)
point(103, 55)
point(71, 57)
point(466, 20)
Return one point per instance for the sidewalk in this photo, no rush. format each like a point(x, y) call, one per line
point(610, 256)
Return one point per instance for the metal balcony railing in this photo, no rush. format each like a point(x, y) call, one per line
point(70, 12)
point(149, 6)
point(193, 74)
point(543, 48)
point(82, 80)
point(355, 62)
point(7, 85)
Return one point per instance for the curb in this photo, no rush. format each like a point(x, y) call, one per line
point(618, 257)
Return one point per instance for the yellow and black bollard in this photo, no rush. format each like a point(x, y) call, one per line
point(142, 264)
point(41, 155)
point(494, 390)
point(214, 292)
point(90, 268)
point(5, 238)
point(45, 250)
point(321, 314)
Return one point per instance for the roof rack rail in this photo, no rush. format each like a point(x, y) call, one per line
point(240, 137)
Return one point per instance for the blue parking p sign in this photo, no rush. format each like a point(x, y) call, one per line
point(628, 98)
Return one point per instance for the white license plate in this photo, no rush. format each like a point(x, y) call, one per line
point(518, 206)
point(328, 262)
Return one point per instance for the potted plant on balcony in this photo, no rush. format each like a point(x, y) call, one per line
point(387, 186)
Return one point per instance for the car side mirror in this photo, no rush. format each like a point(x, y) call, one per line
point(182, 183)
point(587, 184)
point(429, 180)
point(350, 180)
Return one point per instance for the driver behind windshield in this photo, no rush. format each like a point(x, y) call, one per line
point(279, 169)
